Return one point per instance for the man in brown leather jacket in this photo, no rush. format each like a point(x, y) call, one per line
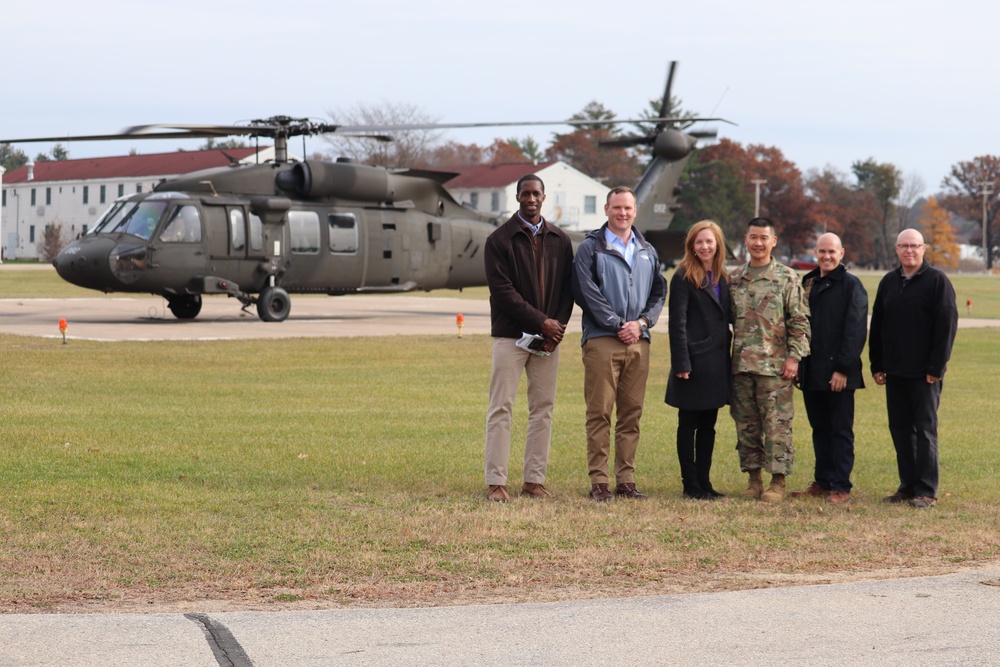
point(528, 266)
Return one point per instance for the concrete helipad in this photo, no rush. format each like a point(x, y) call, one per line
point(147, 318)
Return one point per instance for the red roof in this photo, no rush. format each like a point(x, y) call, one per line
point(494, 175)
point(105, 168)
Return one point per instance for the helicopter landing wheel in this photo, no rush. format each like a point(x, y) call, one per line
point(273, 304)
point(185, 307)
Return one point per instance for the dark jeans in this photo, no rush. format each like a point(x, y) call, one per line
point(912, 404)
point(831, 416)
point(695, 444)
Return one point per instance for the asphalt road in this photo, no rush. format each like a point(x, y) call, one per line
point(945, 620)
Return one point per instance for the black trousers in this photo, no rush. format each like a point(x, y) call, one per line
point(695, 444)
point(912, 404)
point(831, 416)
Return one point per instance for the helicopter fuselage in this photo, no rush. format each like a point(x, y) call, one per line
point(308, 227)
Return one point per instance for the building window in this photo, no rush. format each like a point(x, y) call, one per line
point(121, 189)
point(32, 201)
point(104, 194)
point(31, 232)
point(138, 187)
point(495, 202)
point(48, 196)
point(473, 200)
point(343, 233)
point(4, 198)
point(590, 204)
point(86, 194)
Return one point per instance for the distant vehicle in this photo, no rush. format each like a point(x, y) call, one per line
point(804, 263)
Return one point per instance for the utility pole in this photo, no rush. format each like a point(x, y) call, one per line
point(987, 190)
point(757, 182)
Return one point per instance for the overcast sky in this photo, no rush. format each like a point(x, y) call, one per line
point(911, 83)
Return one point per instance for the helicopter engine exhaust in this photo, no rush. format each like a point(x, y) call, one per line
point(313, 179)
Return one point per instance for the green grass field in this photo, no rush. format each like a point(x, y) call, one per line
point(305, 472)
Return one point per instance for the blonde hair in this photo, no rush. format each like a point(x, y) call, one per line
point(694, 271)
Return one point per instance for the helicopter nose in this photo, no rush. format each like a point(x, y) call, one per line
point(85, 263)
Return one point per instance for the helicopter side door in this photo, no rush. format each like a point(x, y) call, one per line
point(235, 241)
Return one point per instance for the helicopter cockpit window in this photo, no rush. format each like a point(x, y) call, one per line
point(114, 215)
point(184, 226)
point(142, 221)
point(304, 229)
point(343, 233)
point(237, 230)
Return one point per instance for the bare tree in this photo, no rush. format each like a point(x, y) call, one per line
point(910, 190)
point(53, 241)
point(408, 147)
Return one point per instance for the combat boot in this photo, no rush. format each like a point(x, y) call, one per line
point(776, 490)
point(756, 486)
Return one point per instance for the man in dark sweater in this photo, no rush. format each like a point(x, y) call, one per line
point(528, 268)
point(838, 321)
point(913, 326)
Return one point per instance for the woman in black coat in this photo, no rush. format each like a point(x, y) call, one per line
point(700, 341)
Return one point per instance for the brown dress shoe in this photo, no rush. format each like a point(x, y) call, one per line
point(498, 493)
point(534, 490)
point(813, 489)
point(600, 492)
point(628, 490)
point(839, 497)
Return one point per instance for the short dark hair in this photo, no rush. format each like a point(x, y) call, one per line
point(526, 178)
point(621, 189)
point(762, 222)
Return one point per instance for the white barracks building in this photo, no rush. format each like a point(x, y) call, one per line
point(73, 194)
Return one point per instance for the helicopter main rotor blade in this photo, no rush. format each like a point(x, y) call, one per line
point(449, 126)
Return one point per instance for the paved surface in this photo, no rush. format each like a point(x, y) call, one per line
point(147, 318)
point(946, 620)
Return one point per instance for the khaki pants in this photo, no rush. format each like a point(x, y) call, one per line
point(508, 363)
point(614, 376)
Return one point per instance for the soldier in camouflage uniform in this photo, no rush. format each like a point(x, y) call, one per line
point(770, 337)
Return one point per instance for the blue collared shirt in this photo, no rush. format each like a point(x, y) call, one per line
point(626, 250)
point(534, 228)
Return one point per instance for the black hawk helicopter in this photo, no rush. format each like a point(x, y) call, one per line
point(262, 232)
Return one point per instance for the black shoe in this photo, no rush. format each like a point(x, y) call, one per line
point(898, 497)
point(628, 490)
point(697, 493)
point(712, 492)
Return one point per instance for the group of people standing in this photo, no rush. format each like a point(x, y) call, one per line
point(744, 339)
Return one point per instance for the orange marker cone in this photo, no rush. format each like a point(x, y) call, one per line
point(460, 320)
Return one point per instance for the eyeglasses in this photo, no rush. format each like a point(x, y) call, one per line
point(910, 246)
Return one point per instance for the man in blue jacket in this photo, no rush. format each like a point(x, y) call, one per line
point(838, 321)
point(618, 285)
point(914, 320)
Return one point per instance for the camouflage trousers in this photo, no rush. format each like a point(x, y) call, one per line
point(762, 407)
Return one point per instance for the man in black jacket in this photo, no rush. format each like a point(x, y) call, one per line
point(838, 305)
point(914, 320)
point(528, 267)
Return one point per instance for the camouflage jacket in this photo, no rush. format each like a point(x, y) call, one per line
point(770, 317)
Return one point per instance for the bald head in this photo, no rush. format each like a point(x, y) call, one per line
point(829, 253)
point(910, 250)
